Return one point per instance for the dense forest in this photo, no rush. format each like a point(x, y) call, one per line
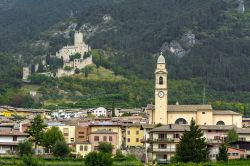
point(132, 33)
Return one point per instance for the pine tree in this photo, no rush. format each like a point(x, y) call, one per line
point(222, 153)
point(192, 147)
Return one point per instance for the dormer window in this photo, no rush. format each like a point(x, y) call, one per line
point(160, 80)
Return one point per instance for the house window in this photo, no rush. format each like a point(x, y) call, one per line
point(203, 112)
point(96, 138)
point(85, 148)
point(128, 132)
point(105, 138)
point(81, 148)
point(72, 139)
point(162, 136)
point(176, 135)
point(80, 136)
point(110, 138)
point(95, 147)
point(14, 138)
point(81, 132)
point(137, 139)
point(137, 132)
point(128, 139)
point(162, 146)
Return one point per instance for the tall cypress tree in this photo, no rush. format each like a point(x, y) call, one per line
point(222, 153)
point(192, 146)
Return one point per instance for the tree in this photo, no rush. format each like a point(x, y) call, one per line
point(105, 147)
point(113, 109)
point(119, 156)
point(36, 130)
point(192, 147)
point(51, 136)
point(61, 149)
point(232, 136)
point(25, 148)
point(77, 71)
point(98, 158)
point(222, 153)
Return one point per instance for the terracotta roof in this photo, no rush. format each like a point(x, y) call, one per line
point(223, 112)
point(103, 132)
point(147, 126)
point(189, 107)
point(9, 132)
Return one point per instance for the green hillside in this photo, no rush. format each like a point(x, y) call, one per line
point(130, 34)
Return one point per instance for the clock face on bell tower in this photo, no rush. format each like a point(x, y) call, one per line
point(160, 112)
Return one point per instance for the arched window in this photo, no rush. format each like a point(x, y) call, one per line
point(160, 80)
point(180, 121)
point(220, 123)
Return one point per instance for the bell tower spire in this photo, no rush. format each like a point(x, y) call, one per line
point(161, 92)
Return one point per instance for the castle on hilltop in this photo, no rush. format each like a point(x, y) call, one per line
point(74, 56)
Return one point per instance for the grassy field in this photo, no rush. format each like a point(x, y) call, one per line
point(7, 161)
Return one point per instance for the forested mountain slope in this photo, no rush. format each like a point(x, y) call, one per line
point(206, 43)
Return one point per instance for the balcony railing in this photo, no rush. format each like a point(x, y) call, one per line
point(214, 141)
point(163, 140)
point(162, 150)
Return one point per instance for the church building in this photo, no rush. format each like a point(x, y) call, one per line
point(165, 114)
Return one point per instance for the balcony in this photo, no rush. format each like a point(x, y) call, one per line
point(161, 150)
point(163, 140)
point(214, 141)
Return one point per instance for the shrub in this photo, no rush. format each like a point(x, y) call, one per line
point(61, 149)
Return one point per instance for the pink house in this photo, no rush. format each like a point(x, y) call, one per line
point(103, 136)
point(235, 153)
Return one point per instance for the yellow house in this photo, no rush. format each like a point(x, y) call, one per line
point(114, 127)
point(81, 148)
point(133, 135)
point(67, 131)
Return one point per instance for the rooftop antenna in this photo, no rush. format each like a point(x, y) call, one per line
point(204, 94)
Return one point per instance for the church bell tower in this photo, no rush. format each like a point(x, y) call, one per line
point(161, 92)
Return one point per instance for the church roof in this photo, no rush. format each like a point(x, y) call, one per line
point(161, 59)
point(189, 107)
point(223, 112)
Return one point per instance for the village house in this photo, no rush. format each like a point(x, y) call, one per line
point(9, 139)
point(133, 135)
point(104, 135)
point(109, 126)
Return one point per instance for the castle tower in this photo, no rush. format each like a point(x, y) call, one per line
point(78, 38)
point(161, 92)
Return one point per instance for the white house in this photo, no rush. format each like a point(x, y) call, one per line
point(100, 111)
point(9, 139)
